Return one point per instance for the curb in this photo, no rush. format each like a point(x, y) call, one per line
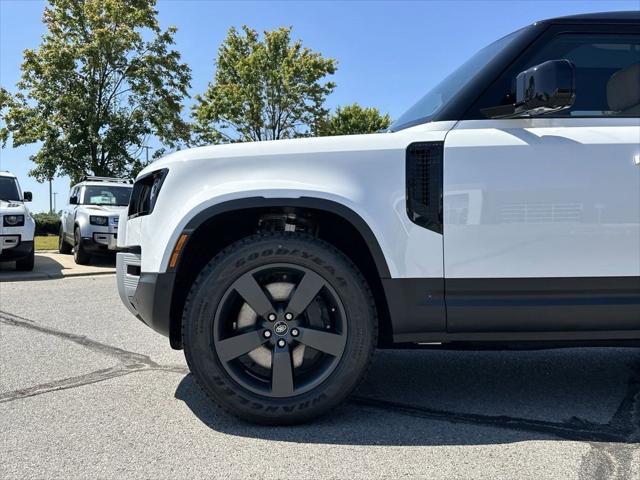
point(48, 276)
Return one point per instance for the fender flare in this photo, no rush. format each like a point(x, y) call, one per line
point(299, 202)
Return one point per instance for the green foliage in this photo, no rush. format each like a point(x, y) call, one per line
point(353, 119)
point(264, 89)
point(5, 103)
point(103, 80)
point(47, 223)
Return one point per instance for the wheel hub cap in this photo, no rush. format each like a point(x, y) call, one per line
point(281, 328)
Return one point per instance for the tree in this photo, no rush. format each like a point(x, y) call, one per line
point(6, 102)
point(264, 89)
point(103, 80)
point(353, 119)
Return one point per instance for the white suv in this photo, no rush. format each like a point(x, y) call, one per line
point(503, 207)
point(89, 223)
point(16, 224)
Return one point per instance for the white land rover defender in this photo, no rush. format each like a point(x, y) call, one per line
point(89, 223)
point(504, 206)
point(17, 227)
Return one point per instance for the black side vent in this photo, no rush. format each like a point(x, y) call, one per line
point(424, 184)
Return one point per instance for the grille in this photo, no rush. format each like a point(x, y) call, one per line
point(424, 184)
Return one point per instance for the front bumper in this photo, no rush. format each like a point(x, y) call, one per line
point(101, 242)
point(146, 295)
point(12, 248)
point(98, 238)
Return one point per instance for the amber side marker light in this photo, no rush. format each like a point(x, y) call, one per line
point(177, 249)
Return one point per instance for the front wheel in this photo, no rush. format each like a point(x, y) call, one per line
point(27, 263)
point(80, 255)
point(279, 328)
point(63, 246)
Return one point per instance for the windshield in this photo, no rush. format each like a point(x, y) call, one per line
point(433, 101)
point(9, 189)
point(106, 195)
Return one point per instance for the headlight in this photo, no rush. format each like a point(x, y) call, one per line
point(96, 220)
point(145, 193)
point(13, 220)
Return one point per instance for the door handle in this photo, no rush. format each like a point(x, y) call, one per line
point(636, 159)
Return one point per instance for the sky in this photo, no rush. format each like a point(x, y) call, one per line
point(389, 53)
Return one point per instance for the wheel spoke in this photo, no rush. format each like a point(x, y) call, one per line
point(306, 290)
point(281, 373)
point(331, 343)
point(234, 347)
point(248, 288)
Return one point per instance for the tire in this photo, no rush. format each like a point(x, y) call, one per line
point(63, 246)
point(26, 264)
point(259, 386)
point(80, 255)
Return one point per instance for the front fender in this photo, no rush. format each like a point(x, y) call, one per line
point(363, 175)
point(81, 220)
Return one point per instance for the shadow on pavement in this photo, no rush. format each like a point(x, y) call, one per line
point(104, 260)
point(50, 265)
point(575, 394)
point(45, 267)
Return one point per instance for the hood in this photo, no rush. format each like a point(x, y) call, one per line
point(104, 208)
point(12, 207)
point(298, 146)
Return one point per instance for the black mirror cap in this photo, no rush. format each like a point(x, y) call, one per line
point(28, 197)
point(73, 200)
point(549, 86)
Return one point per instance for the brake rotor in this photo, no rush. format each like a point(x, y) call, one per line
point(280, 292)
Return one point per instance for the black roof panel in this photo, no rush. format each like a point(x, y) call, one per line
point(631, 16)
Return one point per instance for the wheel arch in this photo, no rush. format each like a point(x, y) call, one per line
point(356, 240)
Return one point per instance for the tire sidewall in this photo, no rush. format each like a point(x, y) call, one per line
point(247, 255)
point(26, 264)
point(80, 256)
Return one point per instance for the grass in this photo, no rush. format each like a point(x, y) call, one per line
point(46, 242)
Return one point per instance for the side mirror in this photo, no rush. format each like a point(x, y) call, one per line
point(547, 87)
point(28, 197)
point(73, 200)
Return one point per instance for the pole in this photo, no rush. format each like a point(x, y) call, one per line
point(50, 197)
point(146, 152)
point(55, 208)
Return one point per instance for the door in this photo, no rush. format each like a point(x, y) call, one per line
point(70, 213)
point(542, 214)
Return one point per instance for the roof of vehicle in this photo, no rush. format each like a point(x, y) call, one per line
point(631, 16)
point(98, 181)
point(98, 184)
point(6, 174)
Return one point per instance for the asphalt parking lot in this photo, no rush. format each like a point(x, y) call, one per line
point(86, 391)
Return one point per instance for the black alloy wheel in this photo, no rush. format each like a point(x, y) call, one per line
point(303, 335)
point(279, 328)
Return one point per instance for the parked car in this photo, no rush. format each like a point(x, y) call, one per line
point(504, 206)
point(89, 223)
point(16, 224)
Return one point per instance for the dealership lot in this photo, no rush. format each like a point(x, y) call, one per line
point(87, 391)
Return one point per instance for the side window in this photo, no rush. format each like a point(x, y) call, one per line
point(607, 75)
